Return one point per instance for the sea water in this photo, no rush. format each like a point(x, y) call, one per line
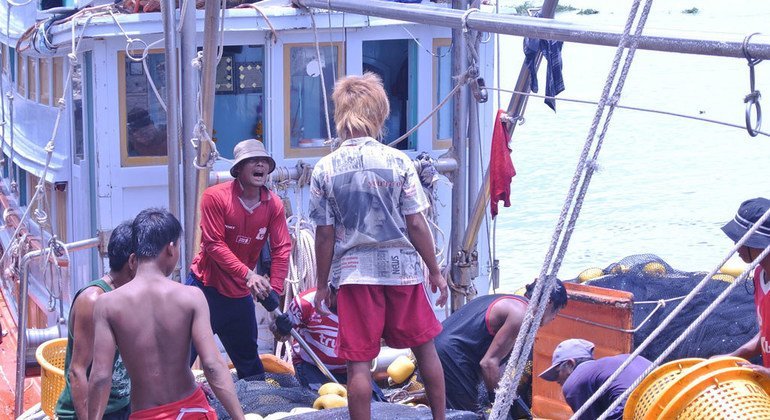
point(665, 185)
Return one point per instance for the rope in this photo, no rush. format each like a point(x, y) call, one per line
point(49, 148)
point(654, 334)
point(273, 32)
point(200, 130)
point(545, 283)
point(329, 140)
point(461, 81)
point(628, 107)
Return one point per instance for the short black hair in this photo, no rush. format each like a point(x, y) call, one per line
point(152, 230)
point(558, 294)
point(120, 246)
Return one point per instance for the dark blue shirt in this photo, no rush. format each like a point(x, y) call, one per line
point(463, 342)
point(589, 376)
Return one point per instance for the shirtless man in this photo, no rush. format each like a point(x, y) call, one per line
point(153, 320)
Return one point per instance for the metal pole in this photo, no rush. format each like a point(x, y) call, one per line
point(301, 341)
point(207, 92)
point(716, 44)
point(173, 137)
point(515, 110)
point(188, 51)
point(459, 148)
point(21, 344)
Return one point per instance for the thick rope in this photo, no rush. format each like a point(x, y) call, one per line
point(506, 390)
point(663, 324)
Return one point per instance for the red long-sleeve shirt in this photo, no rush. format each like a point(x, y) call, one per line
point(232, 237)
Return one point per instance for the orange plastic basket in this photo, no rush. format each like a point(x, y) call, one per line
point(641, 400)
point(690, 375)
point(51, 356)
point(729, 393)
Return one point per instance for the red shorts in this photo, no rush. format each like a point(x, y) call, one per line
point(402, 315)
point(196, 406)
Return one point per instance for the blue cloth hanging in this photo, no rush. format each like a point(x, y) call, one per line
point(554, 83)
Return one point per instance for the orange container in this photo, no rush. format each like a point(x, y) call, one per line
point(643, 398)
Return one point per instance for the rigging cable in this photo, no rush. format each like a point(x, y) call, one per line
point(321, 64)
point(506, 390)
point(631, 108)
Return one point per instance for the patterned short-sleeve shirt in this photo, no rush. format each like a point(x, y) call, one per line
point(365, 189)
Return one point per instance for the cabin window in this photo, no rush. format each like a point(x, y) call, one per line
point(45, 81)
point(32, 78)
point(21, 76)
point(305, 128)
point(239, 104)
point(5, 59)
point(442, 75)
point(142, 118)
point(395, 61)
point(22, 187)
point(58, 78)
point(77, 111)
point(10, 63)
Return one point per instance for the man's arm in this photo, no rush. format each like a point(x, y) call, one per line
point(214, 368)
point(422, 239)
point(508, 314)
point(280, 247)
point(100, 380)
point(213, 237)
point(82, 349)
point(324, 252)
point(750, 349)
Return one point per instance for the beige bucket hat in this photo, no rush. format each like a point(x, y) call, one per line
point(248, 149)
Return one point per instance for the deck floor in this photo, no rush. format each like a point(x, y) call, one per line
point(8, 368)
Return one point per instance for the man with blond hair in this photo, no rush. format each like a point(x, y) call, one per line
point(380, 295)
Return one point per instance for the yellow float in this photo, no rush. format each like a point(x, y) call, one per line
point(401, 369)
point(590, 274)
point(329, 401)
point(333, 388)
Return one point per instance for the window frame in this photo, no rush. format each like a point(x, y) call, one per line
point(126, 160)
point(297, 152)
point(438, 143)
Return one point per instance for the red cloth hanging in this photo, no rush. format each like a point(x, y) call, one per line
point(501, 170)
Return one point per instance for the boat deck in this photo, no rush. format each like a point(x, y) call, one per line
point(8, 367)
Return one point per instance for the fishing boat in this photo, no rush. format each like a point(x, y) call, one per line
point(108, 110)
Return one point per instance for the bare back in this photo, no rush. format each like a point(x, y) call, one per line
point(152, 322)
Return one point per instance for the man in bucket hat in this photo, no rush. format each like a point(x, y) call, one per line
point(748, 214)
point(237, 218)
point(574, 368)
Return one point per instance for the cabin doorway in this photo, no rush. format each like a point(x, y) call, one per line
point(394, 60)
point(239, 106)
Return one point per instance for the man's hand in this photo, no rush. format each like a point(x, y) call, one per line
point(321, 301)
point(259, 285)
point(756, 368)
point(438, 284)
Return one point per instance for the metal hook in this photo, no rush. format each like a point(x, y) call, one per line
point(752, 99)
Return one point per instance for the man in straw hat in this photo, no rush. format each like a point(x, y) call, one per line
point(380, 294)
point(574, 368)
point(748, 214)
point(237, 217)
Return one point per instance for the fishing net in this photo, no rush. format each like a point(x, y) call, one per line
point(651, 279)
point(282, 393)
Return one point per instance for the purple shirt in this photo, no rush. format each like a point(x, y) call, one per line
point(589, 376)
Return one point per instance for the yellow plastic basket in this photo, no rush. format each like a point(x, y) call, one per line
point(730, 393)
point(690, 375)
point(641, 400)
point(51, 356)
